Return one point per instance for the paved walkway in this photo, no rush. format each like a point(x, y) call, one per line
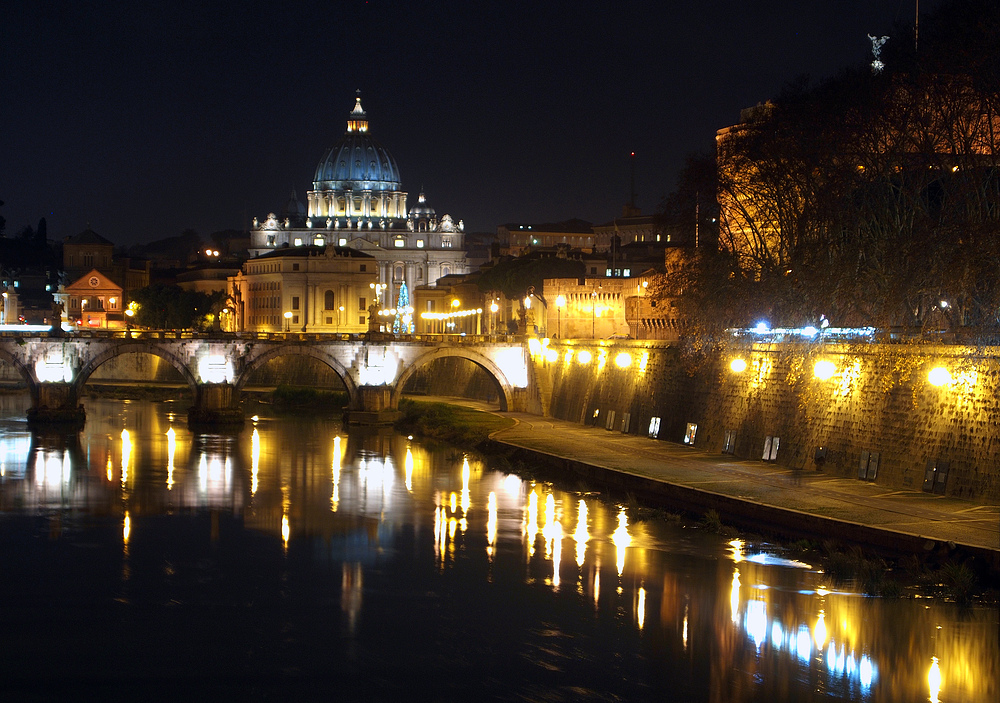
point(818, 494)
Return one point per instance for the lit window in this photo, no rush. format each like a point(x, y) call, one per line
point(298, 241)
point(342, 242)
point(420, 244)
point(628, 272)
point(446, 242)
point(399, 243)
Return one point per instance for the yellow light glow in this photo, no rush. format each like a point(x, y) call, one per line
point(623, 360)
point(738, 365)
point(254, 460)
point(621, 539)
point(286, 531)
point(534, 346)
point(126, 528)
point(602, 360)
point(640, 608)
point(551, 355)
point(408, 467)
point(819, 632)
point(934, 680)
point(584, 357)
point(560, 301)
point(824, 370)
point(126, 455)
point(939, 376)
point(581, 535)
point(643, 362)
point(734, 596)
point(335, 471)
point(171, 446)
point(491, 524)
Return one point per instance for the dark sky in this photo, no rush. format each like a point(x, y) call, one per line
point(144, 121)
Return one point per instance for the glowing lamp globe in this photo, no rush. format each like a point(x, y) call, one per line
point(738, 365)
point(824, 370)
point(939, 376)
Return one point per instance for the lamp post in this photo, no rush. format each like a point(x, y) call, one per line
point(493, 318)
point(560, 304)
point(288, 320)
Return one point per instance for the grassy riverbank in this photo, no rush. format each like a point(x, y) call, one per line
point(451, 424)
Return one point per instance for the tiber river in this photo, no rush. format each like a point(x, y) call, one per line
point(303, 560)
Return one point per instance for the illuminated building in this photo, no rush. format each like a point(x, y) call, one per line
point(305, 289)
point(357, 202)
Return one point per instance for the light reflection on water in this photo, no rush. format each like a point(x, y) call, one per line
point(427, 552)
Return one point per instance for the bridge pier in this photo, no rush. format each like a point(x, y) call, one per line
point(373, 406)
point(216, 405)
point(56, 404)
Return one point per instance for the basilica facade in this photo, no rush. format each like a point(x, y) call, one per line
point(357, 202)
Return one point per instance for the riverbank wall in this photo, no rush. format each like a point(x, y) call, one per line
point(876, 416)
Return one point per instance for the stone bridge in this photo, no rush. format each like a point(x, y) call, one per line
point(374, 367)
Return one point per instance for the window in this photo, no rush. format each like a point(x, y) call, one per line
point(298, 241)
point(364, 267)
point(399, 243)
point(88, 259)
point(446, 242)
point(295, 302)
point(445, 270)
point(295, 267)
point(329, 320)
point(361, 319)
point(398, 273)
point(362, 303)
point(295, 319)
point(343, 242)
point(318, 241)
point(328, 300)
point(420, 244)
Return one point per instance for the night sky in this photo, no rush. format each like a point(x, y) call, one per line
point(143, 122)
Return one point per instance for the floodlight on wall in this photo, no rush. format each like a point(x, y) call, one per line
point(939, 376)
point(738, 365)
point(824, 370)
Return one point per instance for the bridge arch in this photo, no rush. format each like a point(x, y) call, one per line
point(136, 347)
point(255, 361)
point(27, 372)
point(480, 360)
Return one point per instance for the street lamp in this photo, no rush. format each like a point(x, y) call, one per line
point(288, 320)
point(560, 304)
point(493, 309)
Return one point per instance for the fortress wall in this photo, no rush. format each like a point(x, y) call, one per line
point(879, 400)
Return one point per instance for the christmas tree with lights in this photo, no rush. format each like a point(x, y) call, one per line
point(403, 322)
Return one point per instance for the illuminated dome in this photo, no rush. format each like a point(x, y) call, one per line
point(422, 209)
point(357, 161)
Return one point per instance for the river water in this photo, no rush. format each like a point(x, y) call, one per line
point(302, 559)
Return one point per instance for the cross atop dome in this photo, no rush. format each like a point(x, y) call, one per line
point(356, 121)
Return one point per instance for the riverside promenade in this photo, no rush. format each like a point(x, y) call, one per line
point(754, 494)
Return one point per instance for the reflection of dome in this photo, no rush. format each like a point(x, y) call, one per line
point(357, 161)
point(421, 209)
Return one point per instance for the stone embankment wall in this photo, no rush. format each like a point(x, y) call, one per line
point(878, 410)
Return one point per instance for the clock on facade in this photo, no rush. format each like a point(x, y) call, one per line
point(94, 281)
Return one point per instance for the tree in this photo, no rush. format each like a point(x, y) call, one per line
point(171, 307)
point(513, 276)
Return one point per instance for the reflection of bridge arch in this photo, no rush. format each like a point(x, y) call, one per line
point(503, 385)
point(137, 347)
point(27, 373)
point(252, 362)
